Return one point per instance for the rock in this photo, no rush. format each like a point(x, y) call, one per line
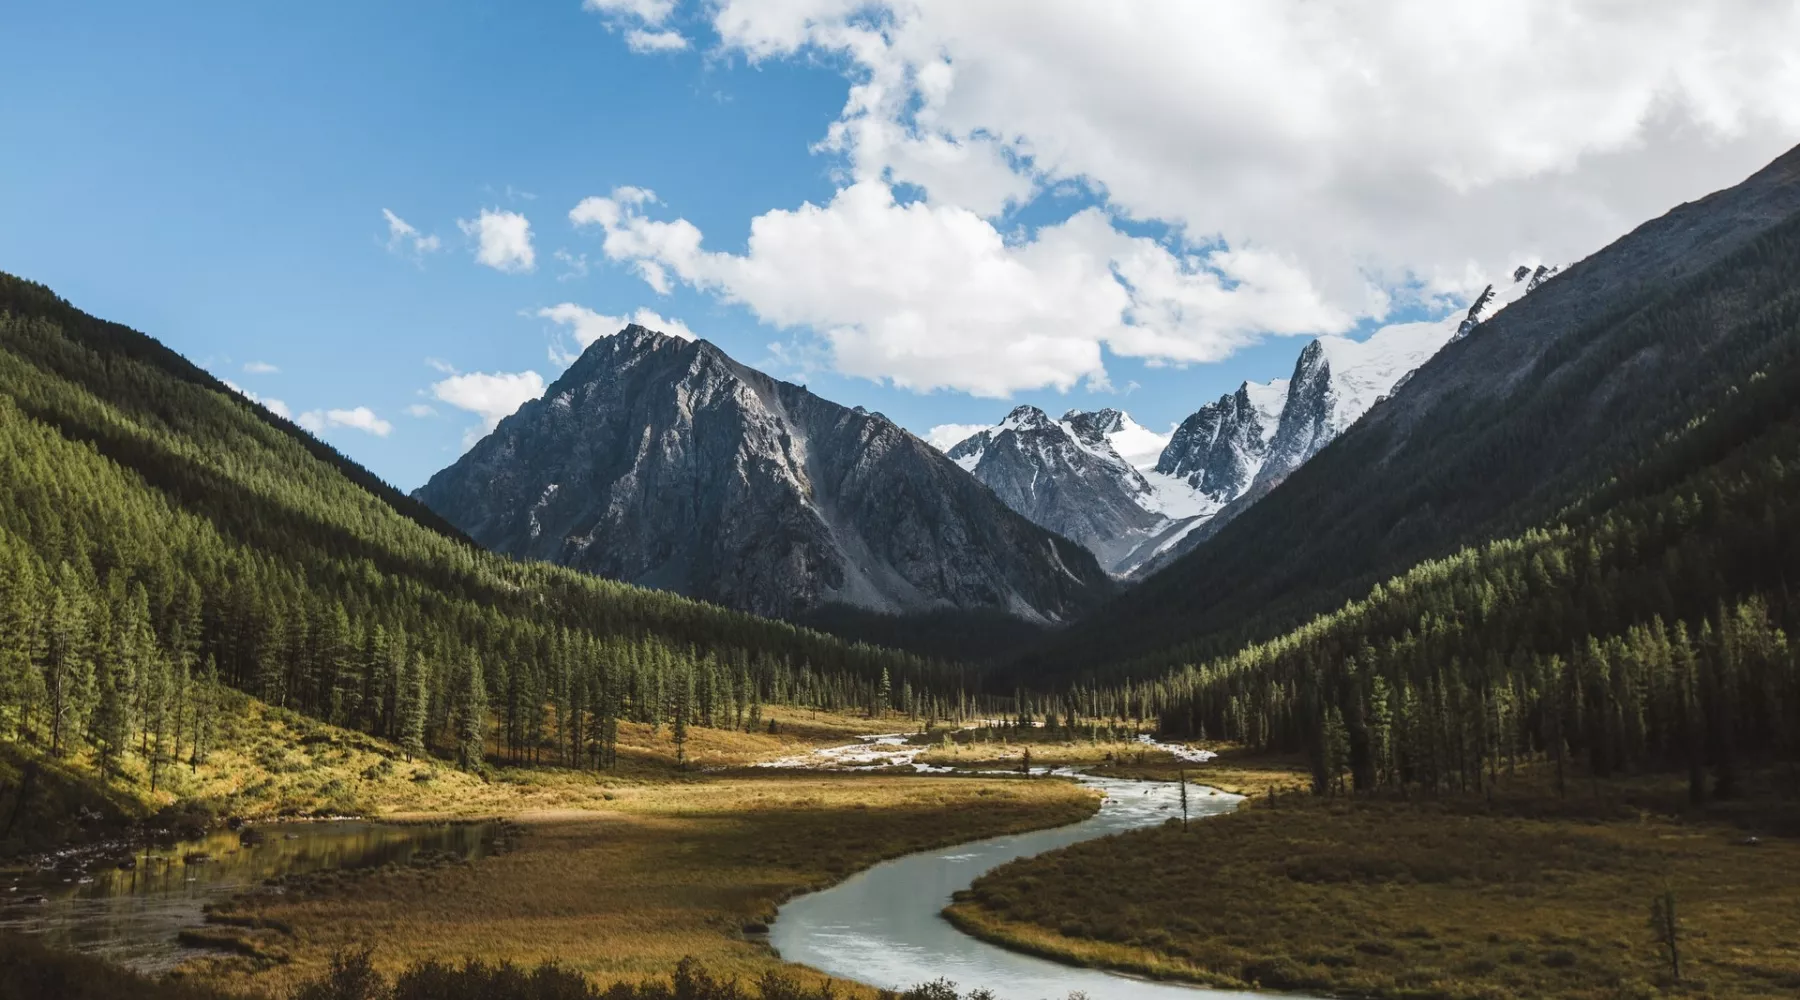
point(663, 462)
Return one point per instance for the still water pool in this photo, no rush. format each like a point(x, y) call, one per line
point(131, 915)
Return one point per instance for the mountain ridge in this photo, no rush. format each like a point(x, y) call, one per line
point(1507, 425)
point(665, 462)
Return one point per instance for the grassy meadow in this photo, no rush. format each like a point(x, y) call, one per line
point(1515, 896)
point(618, 873)
point(641, 874)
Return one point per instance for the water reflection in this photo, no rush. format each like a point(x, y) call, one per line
point(128, 907)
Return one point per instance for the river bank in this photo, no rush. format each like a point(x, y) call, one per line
point(1519, 895)
point(628, 885)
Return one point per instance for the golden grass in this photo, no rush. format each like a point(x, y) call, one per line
point(655, 873)
point(1438, 898)
point(267, 762)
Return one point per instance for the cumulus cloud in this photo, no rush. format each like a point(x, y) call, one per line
point(1402, 143)
point(492, 396)
point(259, 368)
point(641, 41)
point(360, 418)
point(420, 410)
point(503, 240)
point(406, 240)
point(933, 296)
point(944, 437)
point(585, 326)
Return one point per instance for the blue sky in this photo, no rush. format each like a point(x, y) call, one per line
point(215, 174)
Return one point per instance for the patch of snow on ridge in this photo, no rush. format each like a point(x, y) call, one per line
point(1136, 444)
point(1175, 498)
point(1363, 371)
point(1175, 539)
point(1268, 399)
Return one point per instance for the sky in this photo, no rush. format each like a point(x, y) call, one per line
point(395, 222)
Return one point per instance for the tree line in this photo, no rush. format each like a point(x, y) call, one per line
point(1648, 632)
point(160, 535)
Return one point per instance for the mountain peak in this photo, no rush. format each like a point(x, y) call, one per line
point(664, 462)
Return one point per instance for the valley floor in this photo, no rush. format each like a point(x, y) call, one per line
point(1522, 894)
point(619, 874)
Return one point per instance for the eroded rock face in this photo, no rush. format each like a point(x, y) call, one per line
point(663, 462)
point(1220, 448)
point(1066, 476)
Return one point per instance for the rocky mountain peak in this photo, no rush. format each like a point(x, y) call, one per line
point(664, 462)
point(1093, 426)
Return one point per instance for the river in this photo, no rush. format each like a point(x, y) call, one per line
point(884, 926)
point(86, 902)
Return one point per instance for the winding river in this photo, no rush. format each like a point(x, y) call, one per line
point(884, 927)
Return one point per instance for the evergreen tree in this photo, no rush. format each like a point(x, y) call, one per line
point(415, 708)
point(472, 717)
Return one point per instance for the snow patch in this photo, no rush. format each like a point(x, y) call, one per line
point(1138, 445)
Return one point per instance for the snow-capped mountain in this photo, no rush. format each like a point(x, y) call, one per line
point(1068, 476)
point(1235, 450)
point(663, 462)
point(1138, 500)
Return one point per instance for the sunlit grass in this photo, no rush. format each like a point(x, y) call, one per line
point(656, 872)
point(1524, 896)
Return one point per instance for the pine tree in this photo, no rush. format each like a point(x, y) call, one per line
point(682, 707)
point(111, 725)
point(472, 717)
point(68, 667)
point(415, 708)
point(206, 707)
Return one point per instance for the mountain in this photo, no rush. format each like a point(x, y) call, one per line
point(665, 463)
point(1138, 514)
point(1065, 475)
point(157, 528)
point(1234, 451)
point(1535, 413)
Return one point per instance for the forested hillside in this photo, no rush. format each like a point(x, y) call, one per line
point(1574, 386)
point(157, 530)
point(1645, 629)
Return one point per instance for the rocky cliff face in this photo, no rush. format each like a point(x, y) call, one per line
point(1220, 448)
point(663, 462)
point(1066, 476)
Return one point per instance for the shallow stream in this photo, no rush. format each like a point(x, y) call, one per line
point(885, 927)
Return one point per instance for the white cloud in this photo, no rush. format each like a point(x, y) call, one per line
point(360, 418)
point(933, 296)
point(259, 368)
point(586, 326)
point(641, 41)
point(405, 239)
point(1391, 142)
point(420, 410)
point(944, 437)
point(274, 406)
point(503, 240)
point(648, 11)
point(493, 396)
point(576, 264)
